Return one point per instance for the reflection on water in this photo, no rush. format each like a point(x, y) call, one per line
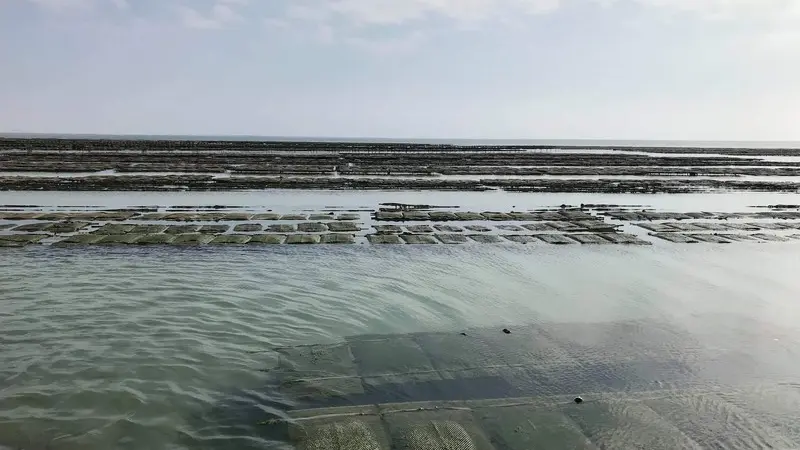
point(157, 348)
point(298, 200)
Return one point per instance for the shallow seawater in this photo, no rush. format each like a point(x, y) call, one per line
point(298, 200)
point(169, 349)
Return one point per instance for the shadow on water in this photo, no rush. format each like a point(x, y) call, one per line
point(533, 361)
point(545, 360)
point(245, 420)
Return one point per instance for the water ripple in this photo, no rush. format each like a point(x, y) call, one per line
point(164, 348)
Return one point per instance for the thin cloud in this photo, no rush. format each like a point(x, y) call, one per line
point(352, 21)
point(222, 14)
point(396, 12)
point(388, 46)
point(723, 9)
point(63, 5)
point(407, 12)
point(84, 6)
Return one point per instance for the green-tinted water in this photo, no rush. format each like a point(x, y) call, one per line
point(166, 348)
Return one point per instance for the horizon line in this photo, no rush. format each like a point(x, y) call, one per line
point(157, 136)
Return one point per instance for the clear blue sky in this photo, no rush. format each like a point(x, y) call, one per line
point(619, 69)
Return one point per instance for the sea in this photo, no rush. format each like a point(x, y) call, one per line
point(163, 348)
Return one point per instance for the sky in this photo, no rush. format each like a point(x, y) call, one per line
point(539, 69)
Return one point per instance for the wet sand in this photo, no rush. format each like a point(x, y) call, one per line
point(51, 164)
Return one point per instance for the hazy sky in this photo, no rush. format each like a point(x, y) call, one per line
point(636, 69)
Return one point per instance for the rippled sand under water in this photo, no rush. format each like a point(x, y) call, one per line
point(169, 349)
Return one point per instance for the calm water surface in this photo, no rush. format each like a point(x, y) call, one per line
point(166, 349)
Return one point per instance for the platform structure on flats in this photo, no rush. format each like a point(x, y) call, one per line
point(622, 384)
point(22, 227)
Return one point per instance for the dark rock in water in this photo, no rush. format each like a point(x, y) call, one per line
point(578, 400)
point(506, 331)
